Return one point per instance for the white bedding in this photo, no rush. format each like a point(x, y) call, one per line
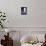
point(27, 44)
point(26, 40)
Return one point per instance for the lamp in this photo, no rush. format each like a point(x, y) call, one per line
point(7, 31)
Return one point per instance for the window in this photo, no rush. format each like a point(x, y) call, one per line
point(23, 10)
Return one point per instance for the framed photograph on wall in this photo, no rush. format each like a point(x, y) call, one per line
point(23, 10)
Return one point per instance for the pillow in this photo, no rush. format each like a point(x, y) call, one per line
point(28, 39)
point(41, 37)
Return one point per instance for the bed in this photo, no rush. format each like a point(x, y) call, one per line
point(32, 40)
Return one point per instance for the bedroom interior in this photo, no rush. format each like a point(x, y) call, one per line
point(24, 23)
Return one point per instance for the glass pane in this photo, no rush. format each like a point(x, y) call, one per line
point(23, 10)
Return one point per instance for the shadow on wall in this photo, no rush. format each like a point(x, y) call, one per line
point(16, 43)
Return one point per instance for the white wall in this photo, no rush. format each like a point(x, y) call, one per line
point(36, 16)
point(38, 13)
point(13, 12)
